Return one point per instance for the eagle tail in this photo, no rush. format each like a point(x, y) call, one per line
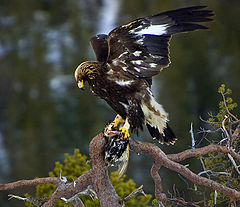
point(156, 120)
point(167, 137)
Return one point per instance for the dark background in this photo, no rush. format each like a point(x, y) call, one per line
point(43, 114)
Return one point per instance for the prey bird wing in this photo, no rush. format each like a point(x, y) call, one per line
point(140, 49)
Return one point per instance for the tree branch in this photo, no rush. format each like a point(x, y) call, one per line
point(158, 183)
point(202, 151)
point(69, 190)
point(22, 183)
point(159, 156)
point(98, 177)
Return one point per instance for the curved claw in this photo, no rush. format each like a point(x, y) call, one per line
point(124, 131)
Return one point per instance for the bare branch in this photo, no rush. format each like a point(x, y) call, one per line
point(158, 183)
point(69, 190)
point(11, 196)
point(192, 136)
point(236, 132)
point(203, 151)
point(75, 201)
point(36, 201)
point(159, 156)
point(134, 193)
point(234, 163)
point(189, 204)
point(38, 181)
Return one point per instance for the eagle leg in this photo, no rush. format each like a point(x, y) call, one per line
point(124, 129)
point(118, 119)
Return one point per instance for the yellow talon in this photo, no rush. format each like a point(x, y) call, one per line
point(117, 121)
point(125, 132)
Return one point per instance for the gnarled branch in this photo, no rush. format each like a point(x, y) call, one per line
point(98, 177)
point(160, 157)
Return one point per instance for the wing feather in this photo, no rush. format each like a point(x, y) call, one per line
point(99, 44)
point(140, 49)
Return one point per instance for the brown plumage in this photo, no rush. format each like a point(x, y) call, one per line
point(127, 59)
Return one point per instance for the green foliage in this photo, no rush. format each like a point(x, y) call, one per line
point(76, 165)
point(155, 202)
point(217, 121)
point(220, 163)
point(124, 188)
point(217, 162)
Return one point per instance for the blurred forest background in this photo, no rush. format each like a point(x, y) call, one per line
point(43, 114)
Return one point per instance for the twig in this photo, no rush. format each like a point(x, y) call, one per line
point(225, 104)
point(11, 196)
point(36, 201)
point(215, 197)
point(192, 136)
point(134, 193)
point(212, 172)
point(185, 203)
point(234, 163)
point(225, 132)
point(203, 165)
point(76, 201)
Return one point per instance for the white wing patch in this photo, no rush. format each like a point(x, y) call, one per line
point(140, 41)
point(115, 62)
point(124, 82)
point(137, 53)
point(153, 65)
point(124, 105)
point(152, 30)
point(124, 69)
point(137, 69)
point(138, 62)
point(123, 54)
point(135, 62)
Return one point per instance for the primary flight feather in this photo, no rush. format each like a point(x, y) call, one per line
point(127, 58)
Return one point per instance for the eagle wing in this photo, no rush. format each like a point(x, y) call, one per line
point(99, 44)
point(140, 49)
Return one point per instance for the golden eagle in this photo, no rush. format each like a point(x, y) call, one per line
point(127, 58)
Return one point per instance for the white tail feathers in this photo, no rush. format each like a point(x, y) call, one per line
point(154, 114)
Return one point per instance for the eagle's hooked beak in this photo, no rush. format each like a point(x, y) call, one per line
point(81, 85)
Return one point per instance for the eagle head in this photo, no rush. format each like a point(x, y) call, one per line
point(86, 71)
